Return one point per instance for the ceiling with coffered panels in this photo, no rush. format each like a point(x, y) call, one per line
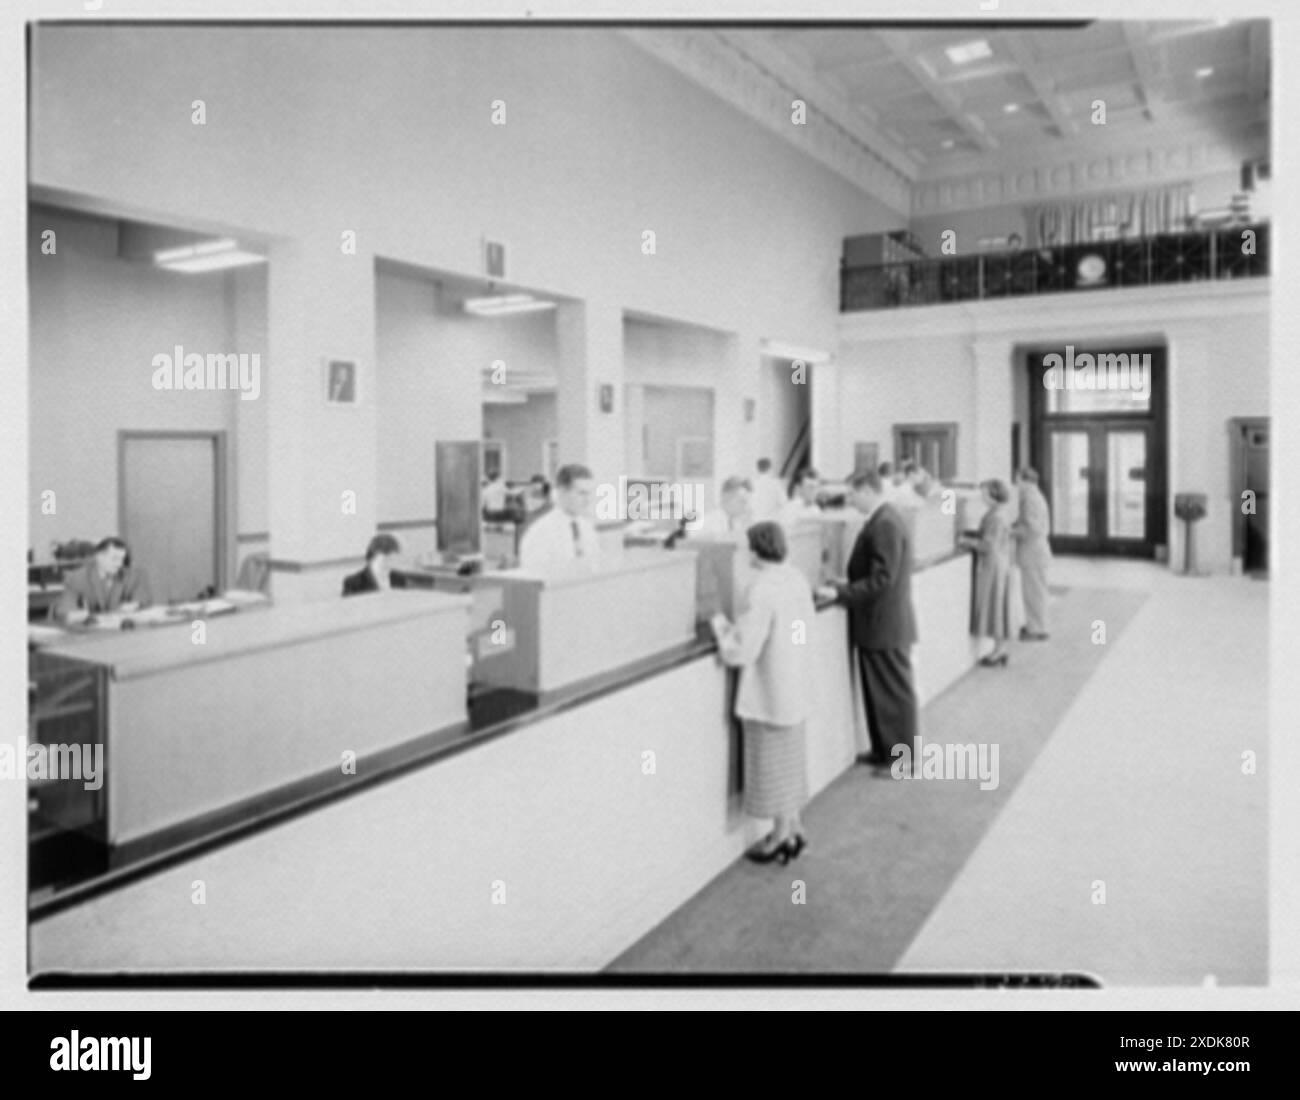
point(919, 108)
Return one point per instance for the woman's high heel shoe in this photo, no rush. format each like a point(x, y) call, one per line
point(796, 844)
point(779, 851)
point(995, 662)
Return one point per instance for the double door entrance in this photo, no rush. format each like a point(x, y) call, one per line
point(1101, 459)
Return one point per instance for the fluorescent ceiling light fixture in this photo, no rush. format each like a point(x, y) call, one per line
point(968, 52)
point(778, 350)
point(948, 143)
point(1011, 108)
point(497, 305)
point(206, 256)
point(1201, 74)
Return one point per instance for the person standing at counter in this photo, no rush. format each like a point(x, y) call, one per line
point(772, 701)
point(769, 493)
point(564, 534)
point(803, 500)
point(734, 515)
point(106, 583)
point(882, 622)
point(1033, 553)
point(992, 610)
point(377, 576)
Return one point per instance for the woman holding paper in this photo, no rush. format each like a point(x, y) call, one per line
point(769, 645)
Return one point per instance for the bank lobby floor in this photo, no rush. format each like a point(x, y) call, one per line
point(1125, 839)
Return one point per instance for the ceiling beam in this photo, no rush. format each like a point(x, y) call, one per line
point(974, 128)
point(1148, 77)
point(1019, 49)
point(858, 119)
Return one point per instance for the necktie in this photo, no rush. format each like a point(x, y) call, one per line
point(577, 539)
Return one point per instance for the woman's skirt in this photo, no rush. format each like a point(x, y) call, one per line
point(776, 778)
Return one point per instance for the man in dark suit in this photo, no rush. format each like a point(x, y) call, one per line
point(378, 573)
point(882, 623)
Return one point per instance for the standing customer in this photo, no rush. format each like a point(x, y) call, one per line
point(768, 643)
point(882, 624)
point(992, 611)
point(1033, 553)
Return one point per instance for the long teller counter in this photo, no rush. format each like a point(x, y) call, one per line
point(575, 805)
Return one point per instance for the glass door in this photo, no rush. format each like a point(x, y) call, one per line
point(1098, 482)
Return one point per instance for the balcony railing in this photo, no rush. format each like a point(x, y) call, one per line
point(1143, 261)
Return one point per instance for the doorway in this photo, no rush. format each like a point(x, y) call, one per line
point(1250, 436)
point(1101, 456)
point(172, 510)
point(933, 447)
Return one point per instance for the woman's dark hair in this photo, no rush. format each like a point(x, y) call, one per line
point(767, 540)
point(997, 490)
point(1028, 473)
point(382, 544)
point(111, 541)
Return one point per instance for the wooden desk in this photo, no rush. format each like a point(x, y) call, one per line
point(268, 699)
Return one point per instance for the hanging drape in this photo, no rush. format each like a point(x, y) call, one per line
point(1132, 214)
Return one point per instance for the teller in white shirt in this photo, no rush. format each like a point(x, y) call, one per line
point(734, 516)
point(564, 535)
point(803, 503)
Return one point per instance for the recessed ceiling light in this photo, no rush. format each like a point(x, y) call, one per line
point(1011, 108)
point(948, 143)
point(1201, 74)
point(968, 52)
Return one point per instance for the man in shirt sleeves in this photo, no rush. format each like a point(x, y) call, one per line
point(882, 623)
point(564, 535)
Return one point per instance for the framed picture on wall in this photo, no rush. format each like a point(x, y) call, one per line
point(866, 456)
point(341, 382)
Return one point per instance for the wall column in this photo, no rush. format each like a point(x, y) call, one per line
point(994, 410)
point(589, 341)
point(321, 480)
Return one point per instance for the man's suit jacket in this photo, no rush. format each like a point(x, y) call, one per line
point(879, 592)
point(85, 587)
point(356, 583)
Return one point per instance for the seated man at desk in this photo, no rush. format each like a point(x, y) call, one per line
point(733, 517)
point(105, 583)
point(377, 576)
point(564, 534)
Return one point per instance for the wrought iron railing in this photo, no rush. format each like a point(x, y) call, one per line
point(1234, 252)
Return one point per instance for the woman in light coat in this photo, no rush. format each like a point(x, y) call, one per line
point(1033, 553)
point(993, 614)
point(769, 645)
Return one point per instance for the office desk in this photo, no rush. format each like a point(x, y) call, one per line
point(268, 699)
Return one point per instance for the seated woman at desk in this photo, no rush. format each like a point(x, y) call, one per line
point(772, 701)
point(106, 583)
point(377, 576)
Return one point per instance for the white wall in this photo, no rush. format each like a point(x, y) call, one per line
point(388, 132)
point(523, 429)
point(96, 324)
point(958, 362)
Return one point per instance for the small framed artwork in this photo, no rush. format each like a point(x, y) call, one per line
point(494, 258)
point(341, 383)
point(606, 398)
point(749, 410)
